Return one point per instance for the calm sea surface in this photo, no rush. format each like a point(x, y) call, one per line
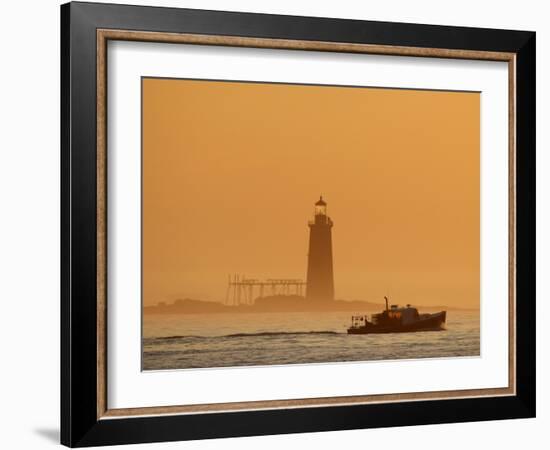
point(224, 340)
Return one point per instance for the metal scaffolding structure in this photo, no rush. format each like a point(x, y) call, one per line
point(243, 291)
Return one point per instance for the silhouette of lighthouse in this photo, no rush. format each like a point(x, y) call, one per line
point(320, 278)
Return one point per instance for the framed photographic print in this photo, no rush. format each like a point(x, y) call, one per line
point(277, 224)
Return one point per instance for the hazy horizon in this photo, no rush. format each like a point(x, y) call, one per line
point(231, 172)
point(378, 302)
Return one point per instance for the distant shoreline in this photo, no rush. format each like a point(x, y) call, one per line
point(276, 304)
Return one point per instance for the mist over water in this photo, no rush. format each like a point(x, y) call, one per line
point(225, 340)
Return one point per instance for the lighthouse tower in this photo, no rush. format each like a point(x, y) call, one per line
point(320, 278)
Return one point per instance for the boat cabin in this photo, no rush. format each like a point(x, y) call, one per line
point(394, 315)
point(402, 315)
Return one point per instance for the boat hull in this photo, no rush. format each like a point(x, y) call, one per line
point(435, 322)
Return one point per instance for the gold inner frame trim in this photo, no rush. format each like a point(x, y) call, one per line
point(103, 36)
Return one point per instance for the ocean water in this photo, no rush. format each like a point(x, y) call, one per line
point(256, 339)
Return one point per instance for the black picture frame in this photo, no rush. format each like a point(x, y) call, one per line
point(80, 425)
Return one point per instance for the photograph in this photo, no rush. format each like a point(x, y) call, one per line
point(307, 224)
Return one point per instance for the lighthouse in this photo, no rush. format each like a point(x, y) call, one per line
point(320, 278)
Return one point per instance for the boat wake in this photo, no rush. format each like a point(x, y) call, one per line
point(258, 334)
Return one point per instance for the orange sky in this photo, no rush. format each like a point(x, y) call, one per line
point(231, 172)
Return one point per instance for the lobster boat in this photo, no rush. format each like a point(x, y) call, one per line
point(396, 319)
